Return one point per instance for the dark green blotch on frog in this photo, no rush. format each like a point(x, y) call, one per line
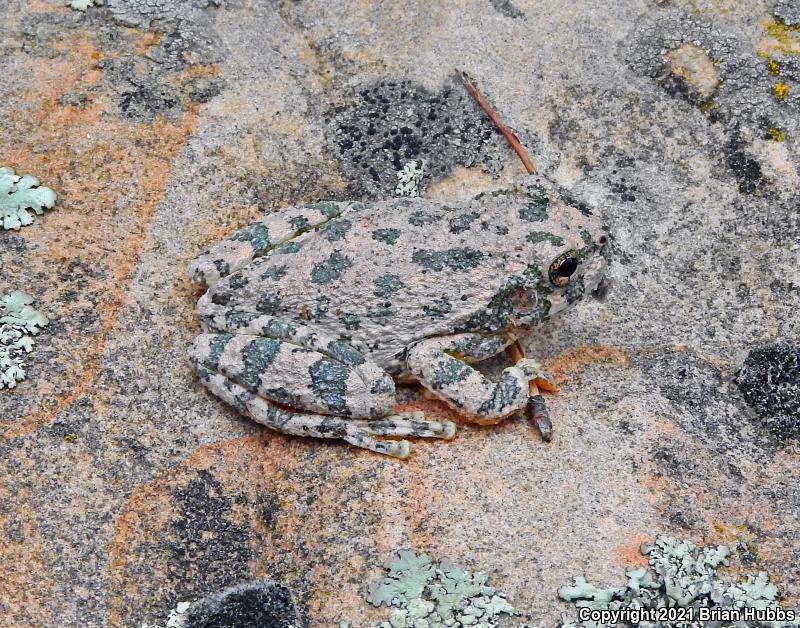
point(496, 315)
point(237, 281)
point(505, 392)
point(331, 269)
point(543, 236)
point(257, 357)
point(345, 352)
point(460, 258)
point(269, 304)
point(257, 235)
point(386, 235)
point(463, 222)
point(439, 308)
point(387, 285)
point(419, 218)
point(331, 210)
point(292, 246)
point(536, 209)
point(449, 371)
point(383, 310)
point(336, 230)
point(299, 223)
point(280, 329)
point(223, 268)
point(275, 272)
point(237, 319)
point(350, 321)
point(575, 290)
point(215, 350)
point(329, 381)
point(322, 305)
point(221, 298)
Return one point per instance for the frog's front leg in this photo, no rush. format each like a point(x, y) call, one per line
point(442, 366)
point(299, 381)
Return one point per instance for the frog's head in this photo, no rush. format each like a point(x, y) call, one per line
point(567, 256)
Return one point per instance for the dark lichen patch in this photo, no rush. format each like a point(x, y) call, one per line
point(388, 123)
point(716, 70)
point(420, 218)
point(331, 269)
point(542, 236)
point(387, 285)
point(255, 604)
point(329, 382)
point(460, 258)
point(389, 236)
point(770, 383)
point(207, 550)
point(787, 11)
point(744, 166)
point(463, 222)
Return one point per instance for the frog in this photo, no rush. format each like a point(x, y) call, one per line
point(313, 314)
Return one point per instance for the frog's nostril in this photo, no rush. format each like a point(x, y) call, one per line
point(602, 239)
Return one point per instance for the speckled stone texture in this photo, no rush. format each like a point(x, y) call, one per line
point(125, 488)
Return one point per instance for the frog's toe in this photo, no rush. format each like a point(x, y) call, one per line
point(409, 424)
point(394, 448)
point(536, 374)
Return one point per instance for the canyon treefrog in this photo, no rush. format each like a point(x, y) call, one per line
point(313, 312)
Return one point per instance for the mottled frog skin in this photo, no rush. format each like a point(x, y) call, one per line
point(313, 312)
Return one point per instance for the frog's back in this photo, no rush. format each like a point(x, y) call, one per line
point(392, 272)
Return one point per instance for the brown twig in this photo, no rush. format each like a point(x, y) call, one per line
point(508, 133)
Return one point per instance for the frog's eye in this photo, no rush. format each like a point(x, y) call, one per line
point(563, 267)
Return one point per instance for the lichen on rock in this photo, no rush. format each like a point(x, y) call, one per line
point(427, 595)
point(770, 383)
point(18, 322)
point(681, 575)
point(18, 195)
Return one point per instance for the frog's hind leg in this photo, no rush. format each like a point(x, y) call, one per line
point(442, 366)
point(260, 237)
point(359, 433)
point(299, 380)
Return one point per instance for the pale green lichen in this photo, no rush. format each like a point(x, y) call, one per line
point(176, 618)
point(20, 194)
point(409, 178)
point(422, 594)
point(18, 322)
point(82, 5)
point(681, 575)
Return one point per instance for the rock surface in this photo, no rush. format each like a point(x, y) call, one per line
point(163, 126)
